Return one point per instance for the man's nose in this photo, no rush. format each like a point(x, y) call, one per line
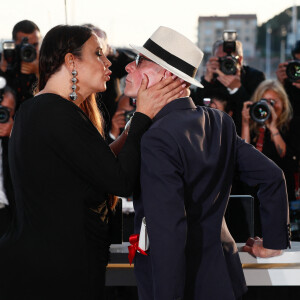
point(130, 67)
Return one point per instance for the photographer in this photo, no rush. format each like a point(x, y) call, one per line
point(125, 109)
point(239, 85)
point(288, 73)
point(19, 60)
point(278, 136)
point(7, 109)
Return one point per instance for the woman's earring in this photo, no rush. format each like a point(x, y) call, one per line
point(73, 95)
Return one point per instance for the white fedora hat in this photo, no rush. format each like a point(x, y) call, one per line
point(174, 52)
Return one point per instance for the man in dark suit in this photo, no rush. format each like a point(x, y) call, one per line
point(188, 158)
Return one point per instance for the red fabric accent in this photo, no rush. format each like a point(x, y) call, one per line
point(134, 241)
point(260, 140)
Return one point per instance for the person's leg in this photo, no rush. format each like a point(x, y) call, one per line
point(143, 275)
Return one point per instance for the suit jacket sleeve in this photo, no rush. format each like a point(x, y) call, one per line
point(74, 138)
point(256, 169)
point(162, 191)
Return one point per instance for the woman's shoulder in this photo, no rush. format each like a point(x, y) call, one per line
point(47, 104)
point(50, 110)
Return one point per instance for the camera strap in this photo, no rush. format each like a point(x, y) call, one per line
point(260, 140)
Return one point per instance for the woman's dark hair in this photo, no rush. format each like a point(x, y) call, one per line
point(59, 41)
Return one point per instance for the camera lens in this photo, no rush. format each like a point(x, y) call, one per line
point(28, 53)
point(4, 114)
point(293, 70)
point(228, 65)
point(260, 111)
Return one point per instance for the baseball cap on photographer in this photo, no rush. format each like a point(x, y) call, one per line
point(174, 52)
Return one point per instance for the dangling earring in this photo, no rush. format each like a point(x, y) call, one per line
point(73, 95)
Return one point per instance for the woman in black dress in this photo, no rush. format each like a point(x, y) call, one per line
point(63, 172)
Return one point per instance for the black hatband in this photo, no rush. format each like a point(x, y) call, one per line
point(171, 59)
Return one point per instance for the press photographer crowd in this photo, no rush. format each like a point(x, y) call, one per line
point(265, 112)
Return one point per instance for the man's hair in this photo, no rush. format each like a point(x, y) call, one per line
point(25, 26)
point(219, 95)
point(239, 47)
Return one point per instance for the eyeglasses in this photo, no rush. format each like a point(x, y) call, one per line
point(139, 59)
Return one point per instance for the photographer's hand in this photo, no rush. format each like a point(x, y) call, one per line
point(117, 122)
point(3, 64)
point(276, 137)
point(211, 66)
point(30, 68)
point(281, 72)
point(272, 121)
point(230, 81)
point(245, 134)
point(296, 84)
point(5, 128)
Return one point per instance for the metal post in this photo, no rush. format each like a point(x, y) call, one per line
point(66, 13)
point(268, 51)
point(294, 23)
point(282, 44)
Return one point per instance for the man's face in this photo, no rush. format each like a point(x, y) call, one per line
point(33, 39)
point(135, 75)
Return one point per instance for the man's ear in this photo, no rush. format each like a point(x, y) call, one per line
point(70, 61)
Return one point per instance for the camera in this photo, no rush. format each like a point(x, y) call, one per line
point(293, 70)
point(228, 63)
point(15, 54)
point(260, 111)
point(4, 111)
point(128, 114)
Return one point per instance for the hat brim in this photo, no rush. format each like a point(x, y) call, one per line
point(166, 66)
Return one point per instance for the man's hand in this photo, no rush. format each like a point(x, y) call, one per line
point(281, 72)
point(255, 247)
point(211, 66)
point(230, 81)
point(30, 67)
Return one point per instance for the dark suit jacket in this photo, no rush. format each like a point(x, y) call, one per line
point(188, 158)
point(6, 213)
